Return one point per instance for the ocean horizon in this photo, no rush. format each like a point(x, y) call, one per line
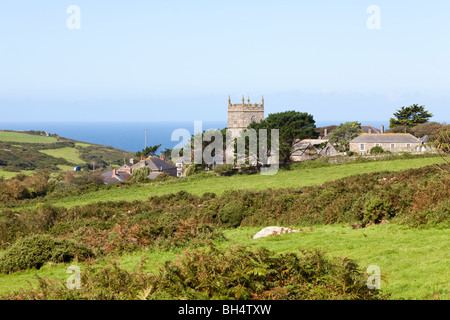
point(130, 136)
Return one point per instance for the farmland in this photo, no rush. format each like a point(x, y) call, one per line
point(410, 246)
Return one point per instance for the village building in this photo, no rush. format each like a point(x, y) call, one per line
point(310, 149)
point(394, 142)
point(156, 164)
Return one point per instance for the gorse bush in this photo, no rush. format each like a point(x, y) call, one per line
point(236, 273)
point(231, 214)
point(34, 251)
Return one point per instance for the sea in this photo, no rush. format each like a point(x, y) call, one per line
point(131, 136)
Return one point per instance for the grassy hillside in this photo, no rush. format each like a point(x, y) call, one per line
point(16, 136)
point(413, 262)
point(283, 179)
point(72, 155)
point(397, 220)
point(27, 152)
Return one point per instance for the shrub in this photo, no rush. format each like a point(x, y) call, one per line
point(33, 252)
point(224, 169)
point(231, 214)
point(377, 209)
point(351, 153)
point(376, 150)
point(244, 274)
point(193, 169)
point(236, 273)
point(141, 174)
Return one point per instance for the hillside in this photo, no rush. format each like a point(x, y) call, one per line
point(397, 220)
point(305, 174)
point(29, 151)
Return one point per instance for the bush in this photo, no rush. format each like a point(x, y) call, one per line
point(193, 169)
point(376, 210)
point(351, 153)
point(376, 150)
point(243, 274)
point(141, 174)
point(33, 252)
point(237, 273)
point(224, 169)
point(232, 214)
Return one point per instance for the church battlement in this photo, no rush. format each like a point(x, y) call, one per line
point(246, 106)
point(241, 115)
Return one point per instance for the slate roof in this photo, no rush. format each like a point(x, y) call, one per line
point(156, 164)
point(118, 178)
point(385, 138)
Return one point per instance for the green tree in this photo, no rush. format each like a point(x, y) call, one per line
point(345, 132)
point(292, 125)
point(141, 174)
point(151, 150)
point(410, 116)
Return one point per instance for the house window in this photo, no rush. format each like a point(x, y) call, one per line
point(377, 144)
point(408, 145)
point(392, 145)
point(361, 147)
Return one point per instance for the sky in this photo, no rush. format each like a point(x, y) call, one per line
point(180, 60)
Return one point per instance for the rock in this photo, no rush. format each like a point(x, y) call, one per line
point(272, 231)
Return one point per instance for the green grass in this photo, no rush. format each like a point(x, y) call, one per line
point(23, 137)
point(283, 179)
point(414, 263)
point(8, 174)
point(70, 154)
point(82, 144)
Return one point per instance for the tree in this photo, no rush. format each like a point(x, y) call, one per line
point(141, 174)
point(148, 151)
point(442, 145)
point(345, 132)
point(292, 125)
point(430, 129)
point(410, 116)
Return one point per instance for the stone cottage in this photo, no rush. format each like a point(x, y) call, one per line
point(309, 149)
point(394, 142)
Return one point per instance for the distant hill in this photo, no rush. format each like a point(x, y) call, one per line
point(27, 151)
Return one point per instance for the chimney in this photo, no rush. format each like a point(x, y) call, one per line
point(370, 131)
point(114, 173)
point(325, 132)
point(161, 156)
point(132, 160)
point(382, 129)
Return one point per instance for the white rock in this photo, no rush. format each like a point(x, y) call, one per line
point(272, 231)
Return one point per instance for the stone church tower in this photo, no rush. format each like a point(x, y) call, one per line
point(240, 115)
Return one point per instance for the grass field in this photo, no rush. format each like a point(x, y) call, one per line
point(283, 179)
point(414, 263)
point(23, 137)
point(8, 175)
point(70, 154)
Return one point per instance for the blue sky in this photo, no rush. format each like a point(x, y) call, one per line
point(179, 60)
